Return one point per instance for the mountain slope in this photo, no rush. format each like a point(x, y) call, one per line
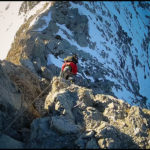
point(111, 38)
point(107, 105)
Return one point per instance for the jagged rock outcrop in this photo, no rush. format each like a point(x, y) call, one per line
point(71, 116)
point(89, 121)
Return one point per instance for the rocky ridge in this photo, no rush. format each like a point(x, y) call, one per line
point(81, 115)
point(68, 25)
point(91, 121)
point(70, 116)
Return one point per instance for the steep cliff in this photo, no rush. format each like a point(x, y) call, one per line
point(108, 105)
point(111, 38)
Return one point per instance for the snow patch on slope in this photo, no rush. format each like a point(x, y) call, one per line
point(45, 18)
point(9, 24)
point(53, 60)
point(11, 21)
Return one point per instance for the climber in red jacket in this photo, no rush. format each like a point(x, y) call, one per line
point(69, 68)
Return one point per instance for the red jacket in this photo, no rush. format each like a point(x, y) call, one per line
point(73, 66)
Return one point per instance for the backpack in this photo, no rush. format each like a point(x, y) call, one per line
point(68, 59)
point(71, 59)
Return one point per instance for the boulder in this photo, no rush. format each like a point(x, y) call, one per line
point(43, 136)
point(64, 126)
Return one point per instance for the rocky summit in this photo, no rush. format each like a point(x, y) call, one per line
point(108, 105)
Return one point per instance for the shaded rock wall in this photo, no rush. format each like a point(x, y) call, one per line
point(18, 88)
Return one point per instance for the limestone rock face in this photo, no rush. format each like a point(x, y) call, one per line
point(73, 117)
point(95, 121)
